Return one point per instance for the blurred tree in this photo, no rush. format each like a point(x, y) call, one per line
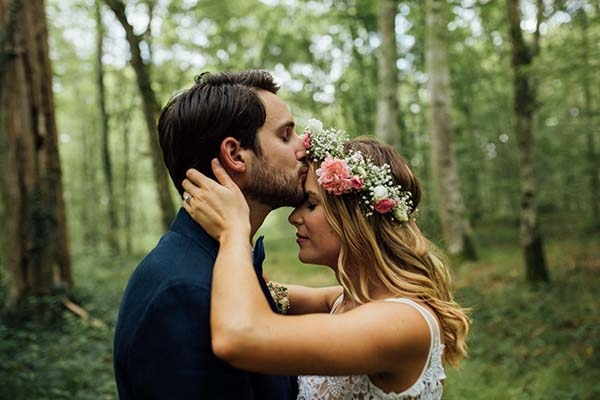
point(456, 227)
point(388, 127)
point(591, 130)
point(37, 259)
point(482, 110)
point(524, 106)
point(151, 108)
point(356, 90)
point(112, 236)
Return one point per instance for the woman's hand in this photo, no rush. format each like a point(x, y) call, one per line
point(219, 207)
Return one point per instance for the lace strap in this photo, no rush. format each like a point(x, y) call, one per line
point(336, 303)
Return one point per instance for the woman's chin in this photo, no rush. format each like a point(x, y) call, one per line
point(304, 259)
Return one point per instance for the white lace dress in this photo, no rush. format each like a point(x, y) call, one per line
point(359, 387)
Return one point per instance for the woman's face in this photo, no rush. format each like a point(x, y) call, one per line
point(319, 244)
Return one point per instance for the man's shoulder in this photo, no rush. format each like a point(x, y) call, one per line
point(175, 265)
point(177, 252)
point(171, 283)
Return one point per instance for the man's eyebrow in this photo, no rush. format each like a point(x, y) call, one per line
point(286, 124)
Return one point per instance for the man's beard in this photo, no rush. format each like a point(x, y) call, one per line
point(274, 188)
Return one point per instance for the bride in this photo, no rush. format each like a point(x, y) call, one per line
point(390, 326)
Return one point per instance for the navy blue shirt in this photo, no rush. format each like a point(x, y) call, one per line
point(162, 346)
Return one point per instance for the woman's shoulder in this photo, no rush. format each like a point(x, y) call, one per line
point(423, 309)
point(403, 324)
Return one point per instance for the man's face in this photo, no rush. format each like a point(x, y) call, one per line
point(277, 176)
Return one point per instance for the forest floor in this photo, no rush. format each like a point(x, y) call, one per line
point(526, 343)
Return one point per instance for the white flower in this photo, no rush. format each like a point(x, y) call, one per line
point(380, 192)
point(314, 125)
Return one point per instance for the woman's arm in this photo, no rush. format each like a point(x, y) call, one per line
point(374, 338)
point(307, 300)
point(377, 337)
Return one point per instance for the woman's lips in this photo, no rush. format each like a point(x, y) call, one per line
point(301, 238)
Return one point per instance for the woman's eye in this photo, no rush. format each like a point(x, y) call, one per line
point(311, 206)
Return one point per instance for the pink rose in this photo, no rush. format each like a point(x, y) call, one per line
point(357, 182)
point(334, 176)
point(384, 206)
point(307, 141)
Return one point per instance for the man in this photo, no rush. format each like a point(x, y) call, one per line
point(162, 346)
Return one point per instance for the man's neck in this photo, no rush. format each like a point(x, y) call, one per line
point(258, 214)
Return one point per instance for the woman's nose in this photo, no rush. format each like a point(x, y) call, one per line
point(294, 217)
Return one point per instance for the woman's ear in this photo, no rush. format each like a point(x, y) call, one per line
point(232, 156)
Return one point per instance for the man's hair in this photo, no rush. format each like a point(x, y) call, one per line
point(194, 122)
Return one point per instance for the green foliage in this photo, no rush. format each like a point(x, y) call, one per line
point(532, 343)
point(63, 356)
point(325, 56)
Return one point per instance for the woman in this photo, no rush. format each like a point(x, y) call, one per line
point(386, 331)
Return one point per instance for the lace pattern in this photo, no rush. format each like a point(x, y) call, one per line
point(360, 387)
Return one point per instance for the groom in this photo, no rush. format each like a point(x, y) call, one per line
point(162, 346)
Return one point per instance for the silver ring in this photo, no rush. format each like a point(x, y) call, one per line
point(187, 198)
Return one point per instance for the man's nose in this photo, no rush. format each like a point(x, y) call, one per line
point(301, 150)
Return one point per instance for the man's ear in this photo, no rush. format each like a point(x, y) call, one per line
point(232, 155)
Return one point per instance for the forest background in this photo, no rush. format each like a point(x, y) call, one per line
point(495, 104)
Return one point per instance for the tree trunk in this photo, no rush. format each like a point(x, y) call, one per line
point(89, 182)
point(151, 112)
point(35, 230)
point(524, 103)
point(591, 130)
point(113, 241)
point(387, 127)
point(127, 192)
point(456, 228)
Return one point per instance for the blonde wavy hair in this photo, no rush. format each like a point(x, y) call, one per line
point(376, 249)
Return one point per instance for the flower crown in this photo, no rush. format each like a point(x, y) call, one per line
point(341, 173)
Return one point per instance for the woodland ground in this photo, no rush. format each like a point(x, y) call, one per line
point(526, 343)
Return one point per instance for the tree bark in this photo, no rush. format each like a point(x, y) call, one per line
point(592, 155)
point(151, 112)
point(387, 127)
point(455, 225)
point(112, 235)
point(127, 191)
point(89, 182)
point(524, 105)
point(37, 259)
